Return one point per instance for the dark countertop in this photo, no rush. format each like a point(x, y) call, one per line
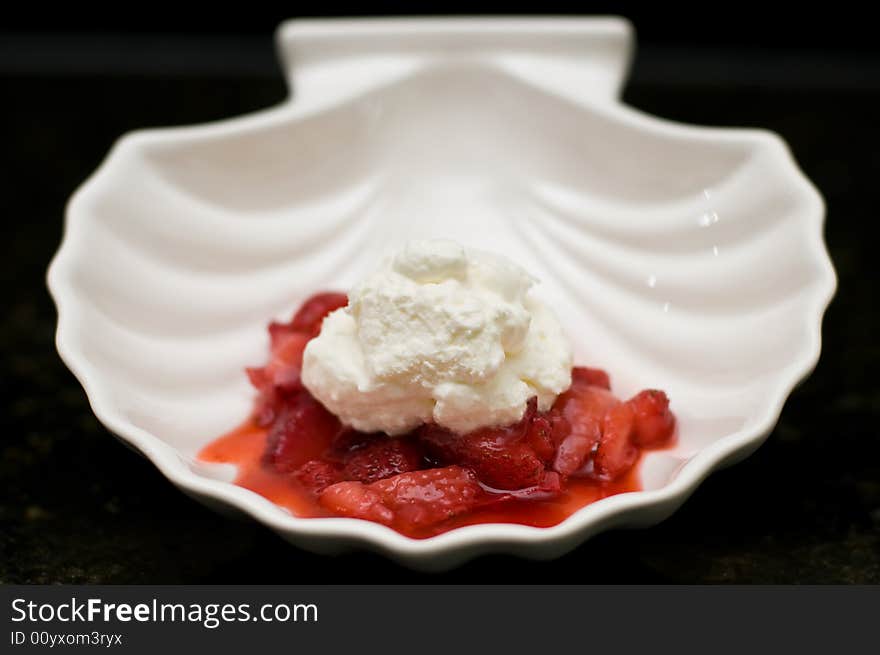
point(79, 507)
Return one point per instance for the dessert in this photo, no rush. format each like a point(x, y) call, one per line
point(440, 393)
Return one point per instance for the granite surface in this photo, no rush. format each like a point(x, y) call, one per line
point(76, 506)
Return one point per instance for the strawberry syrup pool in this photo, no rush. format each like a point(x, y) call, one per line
point(244, 447)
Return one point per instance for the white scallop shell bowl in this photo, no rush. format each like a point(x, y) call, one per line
point(684, 258)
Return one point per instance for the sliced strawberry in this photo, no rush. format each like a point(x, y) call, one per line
point(280, 377)
point(584, 403)
point(438, 442)
point(266, 408)
point(575, 450)
point(560, 428)
point(356, 500)
point(507, 467)
point(409, 500)
point(583, 407)
point(316, 475)
point(311, 313)
point(382, 457)
point(288, 341)
point(257, 377)
point(501, 457)
point(422, 498)
point(283, 369)
point(303, 430)
point(595, 377)
point(616, 453)
point(278, 333)
point(552, 482)
point(549, 487)
point(268, 400)
point(654, 422)
point(540, 438)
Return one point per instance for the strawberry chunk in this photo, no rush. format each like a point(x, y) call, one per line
point(409, 500)
point(583, 407)
point(257, 377)
point(381, 457)
point(267, 407)
point(584, 404)
point(280, 377)
point(422, 498)
point(540, 438)
point(654, 422)
point(501, 457)
point(616, 452)
point(594, 377)
point(549, 487)
point(574, 452)
point(284, 368)
point(356, 500)
point(278, 333)
point(560, 428)
point(303, 430)
point(317, 474)
point(310, 316)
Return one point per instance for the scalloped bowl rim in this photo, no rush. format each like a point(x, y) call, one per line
point(464, 542)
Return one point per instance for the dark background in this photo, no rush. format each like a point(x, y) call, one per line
point(77, 506)
point(823, 27)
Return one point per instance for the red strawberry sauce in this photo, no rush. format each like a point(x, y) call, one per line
point(536, 472)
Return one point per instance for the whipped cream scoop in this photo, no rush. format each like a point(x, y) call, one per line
point(439, 333)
